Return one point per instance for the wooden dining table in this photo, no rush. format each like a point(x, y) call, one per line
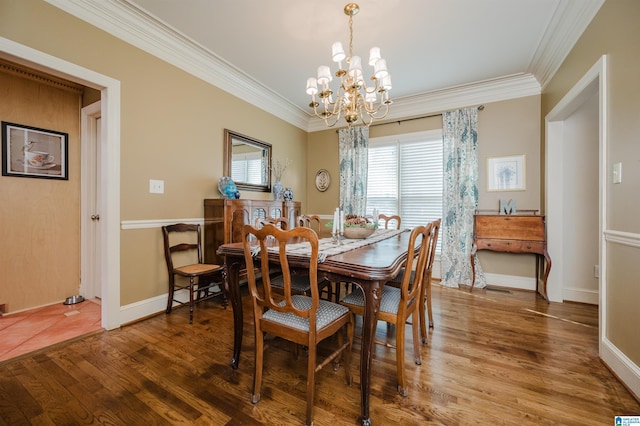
point(369, 267)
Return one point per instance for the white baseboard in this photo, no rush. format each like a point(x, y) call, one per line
point(580, 295)
point(622, 367)
point(144, 308)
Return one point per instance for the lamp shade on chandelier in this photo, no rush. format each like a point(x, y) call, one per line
point(354, 99)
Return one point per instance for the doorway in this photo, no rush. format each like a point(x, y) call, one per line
point(575, 181)
point(109, 179)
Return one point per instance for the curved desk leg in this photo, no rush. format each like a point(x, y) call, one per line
point(371, 306)
point(233, 290)
point(547, 260)
point(474, 249)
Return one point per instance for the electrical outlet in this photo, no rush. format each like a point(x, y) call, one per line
point(156, 186)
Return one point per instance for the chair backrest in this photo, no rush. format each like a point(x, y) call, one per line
point(435, 229)
point(189, 240)
point(279, 222)
point(388, 219)
point(310, 221)
point(417, 259)
point(270, 236)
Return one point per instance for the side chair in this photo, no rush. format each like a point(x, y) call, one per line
point(397, 304)
point(426, 306)
point(303, 320)
point(183, 245)
point(309, 221)
point(389, 220)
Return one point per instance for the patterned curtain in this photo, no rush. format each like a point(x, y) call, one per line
point(460, 133)
point(354, 142)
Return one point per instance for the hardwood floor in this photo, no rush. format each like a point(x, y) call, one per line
point(494, 357)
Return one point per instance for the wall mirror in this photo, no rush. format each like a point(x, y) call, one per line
point(247, 161)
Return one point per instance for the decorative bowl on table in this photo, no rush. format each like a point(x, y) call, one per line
point(358, 232)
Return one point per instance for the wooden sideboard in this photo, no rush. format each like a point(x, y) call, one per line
point(224, 219)
point(513, 234)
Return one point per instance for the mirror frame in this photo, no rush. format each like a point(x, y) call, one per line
point(229, 138)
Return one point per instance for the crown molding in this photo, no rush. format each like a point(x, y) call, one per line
point(128, 23)
point(567, 24)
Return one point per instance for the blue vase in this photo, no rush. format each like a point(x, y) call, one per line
point(288, 194)
point(278, 190)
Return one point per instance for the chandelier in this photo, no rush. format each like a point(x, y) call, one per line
point(354, 98)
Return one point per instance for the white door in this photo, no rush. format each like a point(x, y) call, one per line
point(90, 282)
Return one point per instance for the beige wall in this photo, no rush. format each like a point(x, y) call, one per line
point(615, 32)
point(172, 128)
point(39, 218)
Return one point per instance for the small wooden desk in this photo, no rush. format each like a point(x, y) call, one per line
point(368, 267)
point(513, 234)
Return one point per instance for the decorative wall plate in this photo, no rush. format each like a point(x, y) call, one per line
point(322, 180)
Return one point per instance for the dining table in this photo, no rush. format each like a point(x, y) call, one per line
point(368, 263)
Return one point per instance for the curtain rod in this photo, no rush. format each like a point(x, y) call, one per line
point(480, 108)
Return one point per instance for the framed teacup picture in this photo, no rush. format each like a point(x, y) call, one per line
point(32, 152)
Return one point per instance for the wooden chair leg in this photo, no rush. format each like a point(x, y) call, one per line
point(259, 359)
point(422, 320)
point(311, 381)
point(191, 291)
point(347, 352)
point(170, 301)
point(402, 390)
point(417, 358)
point(429, 307)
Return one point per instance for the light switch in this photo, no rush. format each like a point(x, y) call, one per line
point(617, 173)
point(156, 186)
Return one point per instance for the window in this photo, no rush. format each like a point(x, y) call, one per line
point(405, 177)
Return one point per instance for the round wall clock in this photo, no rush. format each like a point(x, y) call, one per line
point(322, 180)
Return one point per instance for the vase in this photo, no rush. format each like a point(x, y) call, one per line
point(287, 194)
point(278, 190)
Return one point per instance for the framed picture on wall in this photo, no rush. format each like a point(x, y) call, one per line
point(506, 173)
point(32, 152)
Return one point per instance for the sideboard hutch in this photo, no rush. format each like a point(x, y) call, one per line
point(517, 233)
point(224, 219)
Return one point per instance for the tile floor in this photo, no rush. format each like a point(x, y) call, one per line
point(38, 328)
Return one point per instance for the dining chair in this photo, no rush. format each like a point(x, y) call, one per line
point(303, 320)
point(328, 290)
point(183, 245)
point(397, 304)
point(309, 221)
point(280, 222)
point(426, 307)
point(389, 220)
point(299, 280)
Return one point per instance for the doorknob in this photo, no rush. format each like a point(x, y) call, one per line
point(95, 217)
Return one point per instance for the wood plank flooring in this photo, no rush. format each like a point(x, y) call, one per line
point(505, 358)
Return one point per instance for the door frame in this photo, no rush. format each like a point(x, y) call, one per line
point(109, 162)
point(554, 204)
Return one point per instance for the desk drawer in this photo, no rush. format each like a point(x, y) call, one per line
point(510, 246)
point(532, 247)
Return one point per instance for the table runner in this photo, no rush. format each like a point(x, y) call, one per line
point(326, 246)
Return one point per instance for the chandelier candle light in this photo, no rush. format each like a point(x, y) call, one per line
point(354, 98)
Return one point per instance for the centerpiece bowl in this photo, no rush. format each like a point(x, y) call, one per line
point(358, 232)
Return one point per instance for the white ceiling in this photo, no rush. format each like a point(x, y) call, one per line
point(432, 47)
